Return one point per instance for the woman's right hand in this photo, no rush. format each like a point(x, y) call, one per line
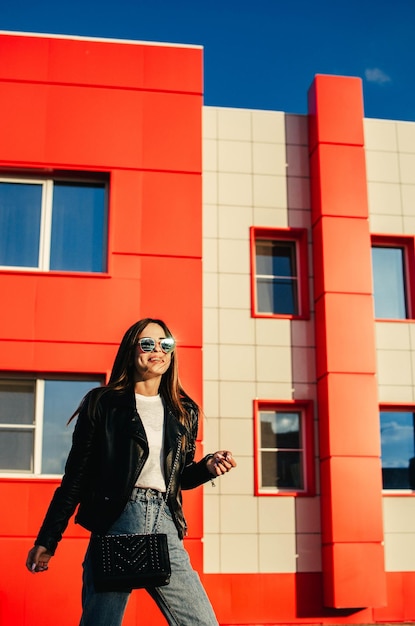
point(220, 462)
point(38, 559)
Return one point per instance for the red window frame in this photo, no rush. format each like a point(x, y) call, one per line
point(407, 243)
point(305, 408)
point(299, 236)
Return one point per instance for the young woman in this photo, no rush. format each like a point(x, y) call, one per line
point(126, 438)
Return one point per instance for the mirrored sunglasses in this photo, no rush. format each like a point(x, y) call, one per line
point(148, 344)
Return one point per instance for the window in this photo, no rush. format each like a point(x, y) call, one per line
point(393, 272)
point(284, 448)
point(397, 436)
point(279, 272)
point(34, 437)
point(53, 224)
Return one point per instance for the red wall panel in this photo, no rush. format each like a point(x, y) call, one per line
point(23, 116)
point(98, 127)
point(355, 514)
point(349, 336)
point(167, 145)
point(354, 578)
point(342, 189)
point(344, 272)
point(77, 126)
point(348, 396)
point(394, 611)
point(335, 107)
point(27, 57)
point(124, 64)
point(252, 598)
point(34, 498)
point(165, 287)
point(54, 307)
point(171, 223)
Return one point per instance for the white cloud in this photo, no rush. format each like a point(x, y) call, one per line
point(375, 75)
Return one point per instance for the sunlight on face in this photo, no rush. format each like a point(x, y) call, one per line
point(151, 365)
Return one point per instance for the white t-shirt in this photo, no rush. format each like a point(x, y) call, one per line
point(151, 411)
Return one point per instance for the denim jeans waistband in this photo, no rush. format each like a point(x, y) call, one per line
point(146, 493)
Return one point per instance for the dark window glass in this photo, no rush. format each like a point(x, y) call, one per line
point(17, 418)
point(29, 406)
point(20, 219)
point(397, 449)
point(277, 281)
point(389, 282)
point(17, 402)
point(53, 225)
point(61, 399)
point(16, 450)
point(282, 453)
point(78, 227)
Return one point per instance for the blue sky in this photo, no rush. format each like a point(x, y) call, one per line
point(261, 54)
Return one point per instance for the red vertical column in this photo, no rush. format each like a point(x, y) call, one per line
point(350, 470)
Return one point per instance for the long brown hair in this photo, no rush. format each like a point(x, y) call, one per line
point(122, 374)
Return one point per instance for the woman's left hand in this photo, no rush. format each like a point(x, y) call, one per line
point(220, 463)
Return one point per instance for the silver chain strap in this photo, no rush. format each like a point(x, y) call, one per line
point(173, 469)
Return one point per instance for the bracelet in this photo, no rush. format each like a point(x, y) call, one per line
point(212, 477)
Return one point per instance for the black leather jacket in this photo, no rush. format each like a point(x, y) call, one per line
point(109, 449)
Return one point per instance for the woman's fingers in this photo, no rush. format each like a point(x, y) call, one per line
point(224, 461)
point(38, 559)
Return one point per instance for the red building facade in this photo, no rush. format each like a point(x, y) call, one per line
point(131, 114)
point(126, 118)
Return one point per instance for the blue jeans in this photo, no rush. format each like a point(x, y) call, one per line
point(183, 601)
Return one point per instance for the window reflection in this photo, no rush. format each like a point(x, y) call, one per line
point(282, 454)
point(389, 282)
point(78, 227)
point(61, 399)
point(397, 449)
point(34, 436)
point(276, 270)
point(17, 424)
point(50, 224)
point(20, 215)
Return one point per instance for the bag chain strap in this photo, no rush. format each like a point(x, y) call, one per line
point(176, 460)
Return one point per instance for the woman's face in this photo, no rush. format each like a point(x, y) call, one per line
point(155, 363)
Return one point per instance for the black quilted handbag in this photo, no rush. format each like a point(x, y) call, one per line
point(125, 562)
